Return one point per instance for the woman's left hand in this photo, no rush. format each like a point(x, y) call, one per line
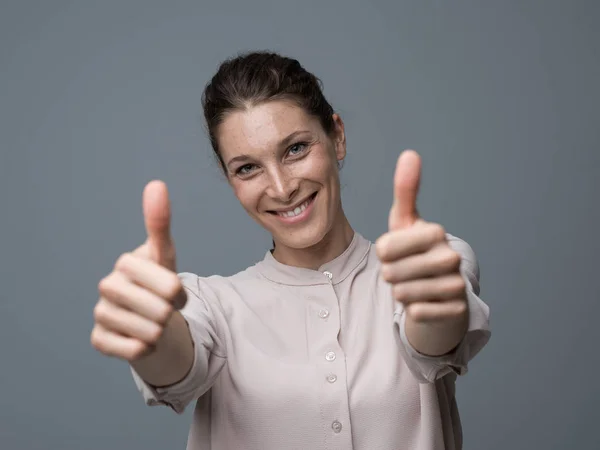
point(417, 260)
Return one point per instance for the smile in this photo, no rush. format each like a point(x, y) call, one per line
point(298, 213)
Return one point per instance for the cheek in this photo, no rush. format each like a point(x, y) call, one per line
point(318, 166)
point(325, 168)
point(247, 195)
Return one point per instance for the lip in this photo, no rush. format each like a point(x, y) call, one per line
point(300, 217)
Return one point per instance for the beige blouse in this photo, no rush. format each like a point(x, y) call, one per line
point(293, 358)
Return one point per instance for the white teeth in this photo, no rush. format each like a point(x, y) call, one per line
point(295, 211)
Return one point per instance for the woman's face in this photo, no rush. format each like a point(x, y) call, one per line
point(283, 169)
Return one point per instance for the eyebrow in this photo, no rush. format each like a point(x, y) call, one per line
point(283, 143)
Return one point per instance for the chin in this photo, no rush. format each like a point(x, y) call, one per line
point(302, 240)
point(304, 237)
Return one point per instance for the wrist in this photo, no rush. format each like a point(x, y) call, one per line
point(437, 338)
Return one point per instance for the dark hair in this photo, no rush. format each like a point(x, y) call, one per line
point(256, 77)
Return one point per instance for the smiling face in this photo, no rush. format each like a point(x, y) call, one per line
point(283, 168)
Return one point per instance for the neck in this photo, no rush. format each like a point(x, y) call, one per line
point(335, 242)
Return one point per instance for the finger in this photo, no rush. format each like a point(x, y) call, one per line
point(406, 188)
point(405, 242)
point(149, 275)
point(112, 344)
point(440, 260)
point(121, 291)
point(430, 289)
point(436, 312)
point(126, 323)
point(157, 219)
point(143, 251)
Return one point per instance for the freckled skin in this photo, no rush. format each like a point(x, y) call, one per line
point(277, 176)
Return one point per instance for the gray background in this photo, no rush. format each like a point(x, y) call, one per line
point(500, 99)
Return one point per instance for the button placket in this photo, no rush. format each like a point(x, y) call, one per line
point(334, 393)
point(324, 313)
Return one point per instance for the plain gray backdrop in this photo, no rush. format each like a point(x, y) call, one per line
point(500, 99)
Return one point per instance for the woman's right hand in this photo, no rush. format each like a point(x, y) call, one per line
point(138, 298)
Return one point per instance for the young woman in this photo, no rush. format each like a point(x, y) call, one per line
point(329, 342)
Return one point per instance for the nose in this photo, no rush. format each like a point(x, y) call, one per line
point(282, 186)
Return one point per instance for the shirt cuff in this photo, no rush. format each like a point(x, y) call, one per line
point(428, 369)
point(177, 396)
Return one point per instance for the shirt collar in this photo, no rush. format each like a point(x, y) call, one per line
point(339, 268)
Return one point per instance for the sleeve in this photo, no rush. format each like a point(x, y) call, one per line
point(426, 368)
point(207, 327)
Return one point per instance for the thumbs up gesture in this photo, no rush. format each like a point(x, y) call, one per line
point(139, 296)
point(422, 268)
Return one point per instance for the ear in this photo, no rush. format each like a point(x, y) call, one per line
point(339, 137)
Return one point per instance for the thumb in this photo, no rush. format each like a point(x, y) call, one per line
point(407, 177)
point(157, 219)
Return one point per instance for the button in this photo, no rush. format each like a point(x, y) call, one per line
point(337, 427)
point(330, 356)
point(328, 274)
point(331, 378)
point(323, 314)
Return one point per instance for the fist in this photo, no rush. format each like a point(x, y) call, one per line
point(416, 259)
point(138, 297)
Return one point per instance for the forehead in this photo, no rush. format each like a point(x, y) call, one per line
point(261, 127)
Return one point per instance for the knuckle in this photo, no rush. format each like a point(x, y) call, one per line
point(96, 341)
point(414, 312)
point(381, 248)
point(137, 350)
point(400, 293)
point(461, 308)
point(456, 309)
point(458, 284)
point(456, 260)
point(438, 233)
point(107, 284)
point(104, 284)
point(386, 272)
point(100, 311)
point(142, 251)
point(173, 287)
point(451, 259)
point(155, 335)
point(123, 261)
point(164, 315)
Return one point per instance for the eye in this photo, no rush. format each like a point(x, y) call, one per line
point(297, 148)
point(246, 169)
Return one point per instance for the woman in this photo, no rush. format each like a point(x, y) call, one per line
point(329, 342)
